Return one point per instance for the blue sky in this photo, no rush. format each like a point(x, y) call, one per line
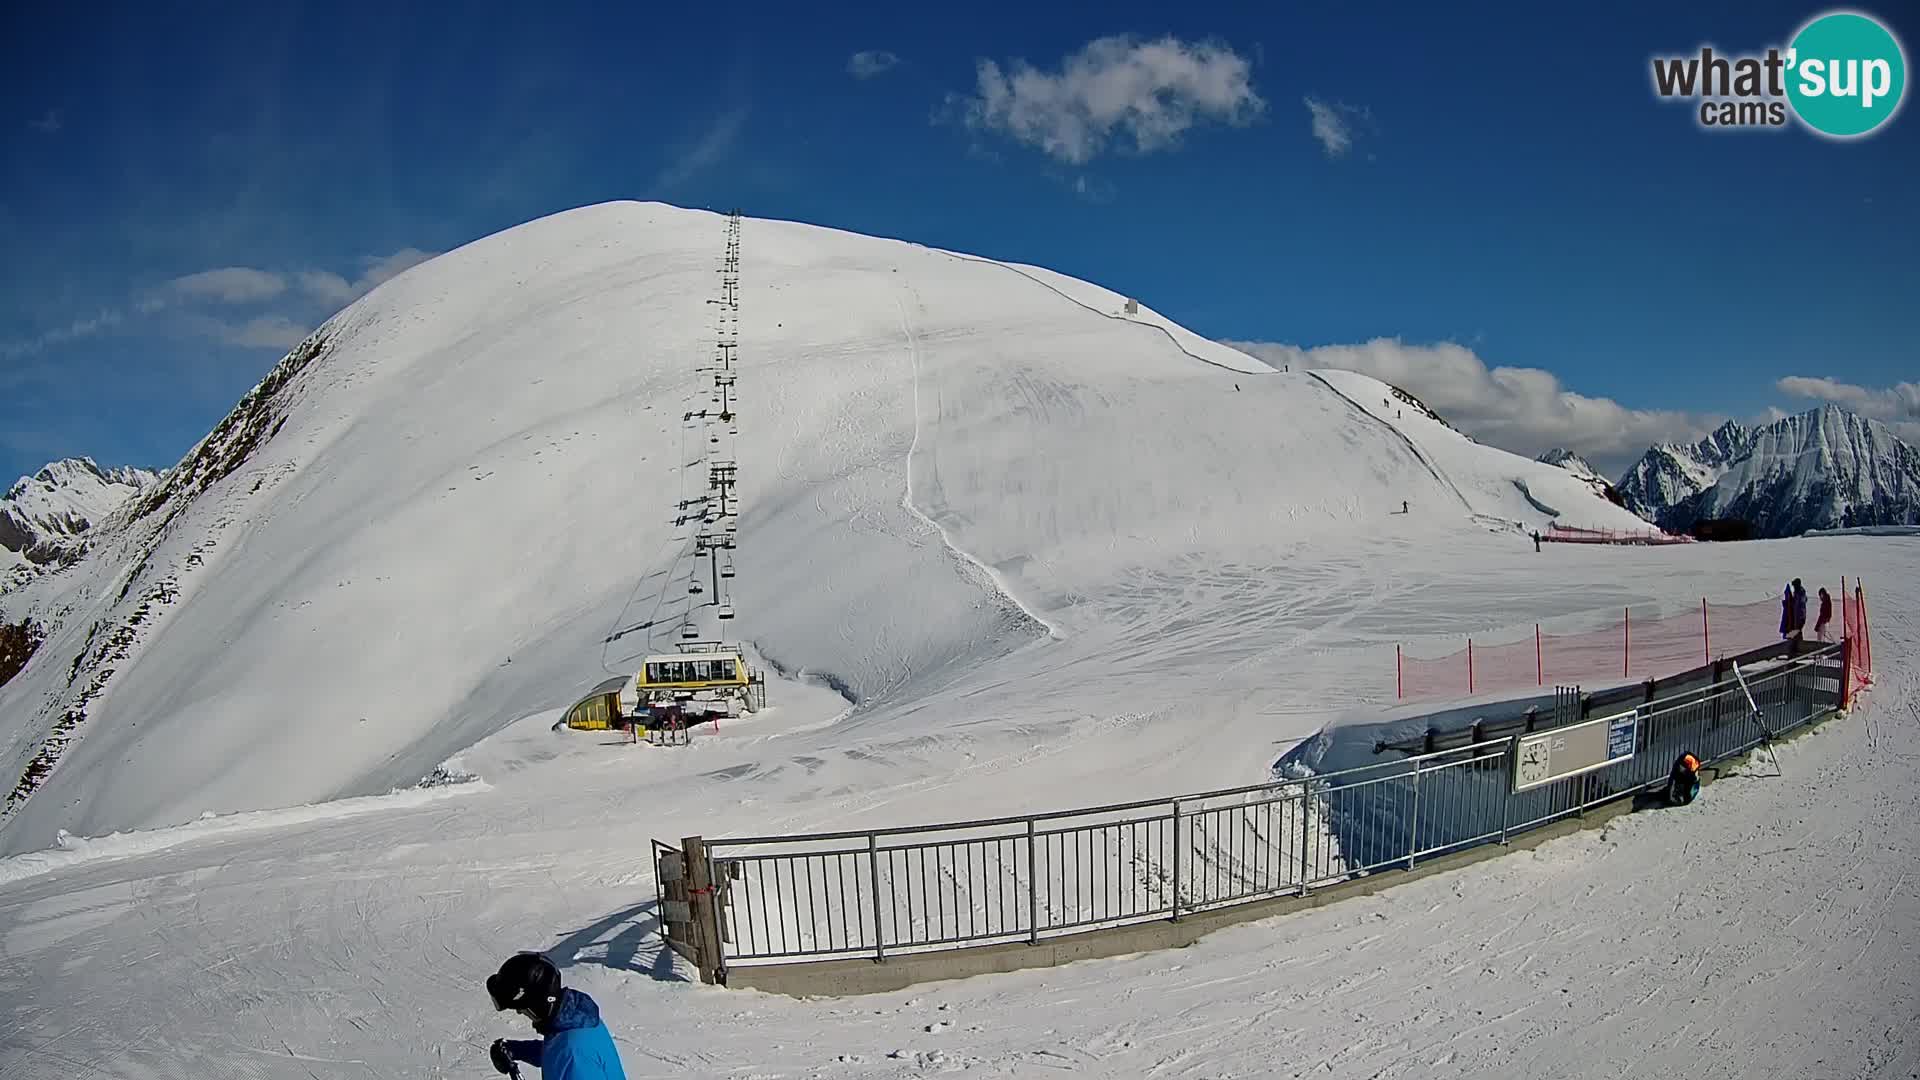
point(1490, 206)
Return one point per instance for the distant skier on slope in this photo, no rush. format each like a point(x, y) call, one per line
point(574, 1044)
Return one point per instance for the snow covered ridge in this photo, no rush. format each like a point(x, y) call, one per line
point(1577, 465)
point(1496, 490)
point(431, 517)
point(1822, 469)
point(135, 537)
point(44, 517)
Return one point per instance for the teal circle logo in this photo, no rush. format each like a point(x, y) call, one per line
point(1846, 74)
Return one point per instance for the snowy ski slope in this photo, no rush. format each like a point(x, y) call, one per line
point(1059, 561)
point(944, 462)
point(1768, 930)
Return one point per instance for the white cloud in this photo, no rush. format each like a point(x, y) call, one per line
point(1148, 92)
point(329, 287)
point(246, 285)
point(1897, 406)
point(1900, 401)
point(1525, 410)
point(1333, 125)
point(305, 294)
point(325, 285)
point(50, 122)
point(227, 285)
point(259, 332)
point(704, 152)
point(384, 268)
point(79, 328)
point(871, 62)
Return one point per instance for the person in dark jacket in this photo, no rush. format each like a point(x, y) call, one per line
point(573, 1044)
point(1786, 611)
point(1826, 616)
point(1799, 609)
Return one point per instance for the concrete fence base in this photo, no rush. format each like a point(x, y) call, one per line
point(834, 978)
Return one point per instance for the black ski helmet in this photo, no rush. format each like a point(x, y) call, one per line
point(528, 981)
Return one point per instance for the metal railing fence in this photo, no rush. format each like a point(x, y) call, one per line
point(875, 893)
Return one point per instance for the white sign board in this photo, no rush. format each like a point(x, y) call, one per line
point(1546, 756)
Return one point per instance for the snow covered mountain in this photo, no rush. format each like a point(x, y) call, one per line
point(458, 503)
point(1569, 461)
point(1669, 474)
point(1822, 469)
point(44, 516)
point(1577, 465)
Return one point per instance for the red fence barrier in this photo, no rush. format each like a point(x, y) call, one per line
point(1571, 534)
point(1632, 649)
point(1859, 636)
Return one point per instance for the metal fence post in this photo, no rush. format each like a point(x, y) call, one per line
point(873, 876)
point(1033, 890)
point(1176, 860)
point(1413, 833)
point(706, 928)
point(1306, 797)
point(1506, 788)
point(659, 891)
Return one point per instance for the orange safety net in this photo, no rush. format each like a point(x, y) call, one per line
point(1859, 636)
point(1631, 649)
point(1573, 534)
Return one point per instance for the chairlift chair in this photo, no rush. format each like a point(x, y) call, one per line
point(725, 611)
point(688, 632)
point(694, 588)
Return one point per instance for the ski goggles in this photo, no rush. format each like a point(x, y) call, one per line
point(503, 996)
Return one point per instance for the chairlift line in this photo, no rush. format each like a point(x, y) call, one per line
point(715, 513)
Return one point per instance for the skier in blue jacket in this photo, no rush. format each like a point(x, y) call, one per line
point(573, 1045)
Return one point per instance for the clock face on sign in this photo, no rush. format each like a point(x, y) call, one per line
point(1534, 762)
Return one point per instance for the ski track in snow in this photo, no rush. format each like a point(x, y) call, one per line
point(1257, 366)
point(1422, 458)
point(998, 584)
